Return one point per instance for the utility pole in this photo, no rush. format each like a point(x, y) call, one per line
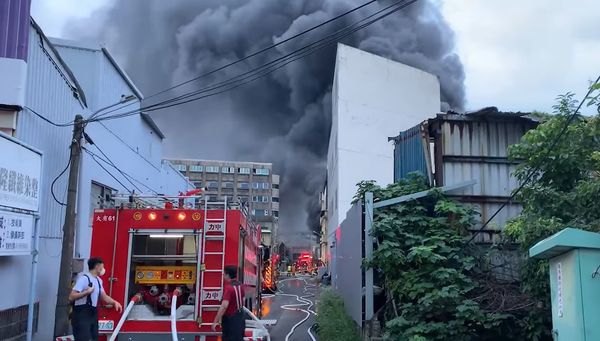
point(61, 323)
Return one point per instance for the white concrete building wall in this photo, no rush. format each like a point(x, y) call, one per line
point(373, 98)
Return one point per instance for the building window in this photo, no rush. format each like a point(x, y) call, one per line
point(244, 170)
point(227, 184)
point(243, 185)
point(243, 199)
point(213, 198)
point(260, 198)
point(276, 214)
point(261, 171)
point(261, 185)
point(228, 170)
point(181, 168)
point(260, 213)
point(198, 184)
point(196, 168)
point(212, 185)
point(275, 186)
point(212, 169)
point(275, 199)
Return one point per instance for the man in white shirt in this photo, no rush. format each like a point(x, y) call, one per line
point(86, 292)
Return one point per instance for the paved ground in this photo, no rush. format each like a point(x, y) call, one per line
point(287, 319)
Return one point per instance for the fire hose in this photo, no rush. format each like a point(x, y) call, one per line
point(176, 293)
point(136, 298)
point(295, 307)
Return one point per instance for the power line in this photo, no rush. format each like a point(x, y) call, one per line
point(536, 169)
point(106, 170)
point(109, 161)
point(263, 50)
point(255, 73)
point(334, 37)
point(48, 120)
point(128, 145)
point(127, 176)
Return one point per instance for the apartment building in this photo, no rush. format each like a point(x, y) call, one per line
point(248, 182)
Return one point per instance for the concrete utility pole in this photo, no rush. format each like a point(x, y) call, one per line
point(61, 323)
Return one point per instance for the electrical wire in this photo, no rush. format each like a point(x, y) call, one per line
point(286, 59)
point(44, 118)
point(263, 50)
point(107, 171)
point(536, 169)
point(56, 179)
point(111, 163)
point(127, 176)
point(128, 145)
point(269, 67)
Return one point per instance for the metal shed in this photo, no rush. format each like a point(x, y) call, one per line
point(453, 148)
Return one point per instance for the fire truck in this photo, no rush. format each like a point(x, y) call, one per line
point(270, 272)
point(167, 266)
point(304, 263)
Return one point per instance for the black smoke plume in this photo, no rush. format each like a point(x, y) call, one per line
point(284, 118)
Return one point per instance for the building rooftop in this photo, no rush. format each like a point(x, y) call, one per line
point(219, 161)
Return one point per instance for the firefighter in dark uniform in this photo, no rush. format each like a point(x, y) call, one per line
point(231, 314)
point(86, 293)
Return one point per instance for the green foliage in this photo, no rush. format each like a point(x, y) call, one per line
point(428, 276)
point(564, 191)
point(334, 323)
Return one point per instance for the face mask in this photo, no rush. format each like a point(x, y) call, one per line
point(102, 272)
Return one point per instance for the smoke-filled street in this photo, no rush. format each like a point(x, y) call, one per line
point(292, 309)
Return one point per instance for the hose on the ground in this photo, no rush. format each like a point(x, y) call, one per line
point(295, 307)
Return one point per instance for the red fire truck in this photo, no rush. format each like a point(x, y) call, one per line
point(167, 266)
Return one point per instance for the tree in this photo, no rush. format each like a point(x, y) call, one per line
point(564, 191)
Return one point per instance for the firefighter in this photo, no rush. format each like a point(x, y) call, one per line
point(85, 295)
point(231, 314)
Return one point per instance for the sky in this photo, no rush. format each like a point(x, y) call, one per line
point(518, 55)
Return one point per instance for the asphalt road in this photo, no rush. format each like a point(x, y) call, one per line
point(286, 319)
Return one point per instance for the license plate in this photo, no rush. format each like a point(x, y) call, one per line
point(106, 325)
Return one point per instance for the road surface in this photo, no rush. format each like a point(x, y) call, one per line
point(289, 292)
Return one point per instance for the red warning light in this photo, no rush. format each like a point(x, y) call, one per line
point(181, 216)
point(152, 216)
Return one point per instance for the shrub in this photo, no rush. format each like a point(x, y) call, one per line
point(334, 323)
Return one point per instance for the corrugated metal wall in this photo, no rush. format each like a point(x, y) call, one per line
point(475, 147)
point(48, 93)
point(468, 147)
point(14, 26)
point(409, 153)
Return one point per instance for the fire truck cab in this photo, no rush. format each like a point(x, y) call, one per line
point(166, 267)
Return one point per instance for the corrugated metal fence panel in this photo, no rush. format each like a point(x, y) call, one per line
point(477, 149)
point(14, 26)
point(347, 272)
point(409, 155)
point(49, 93)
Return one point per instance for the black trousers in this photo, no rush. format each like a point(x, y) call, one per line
point(85, 323)
point(234, 327)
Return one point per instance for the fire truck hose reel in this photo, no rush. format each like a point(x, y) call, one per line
point(136, 298)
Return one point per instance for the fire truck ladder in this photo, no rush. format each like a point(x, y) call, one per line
point(215, 229)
